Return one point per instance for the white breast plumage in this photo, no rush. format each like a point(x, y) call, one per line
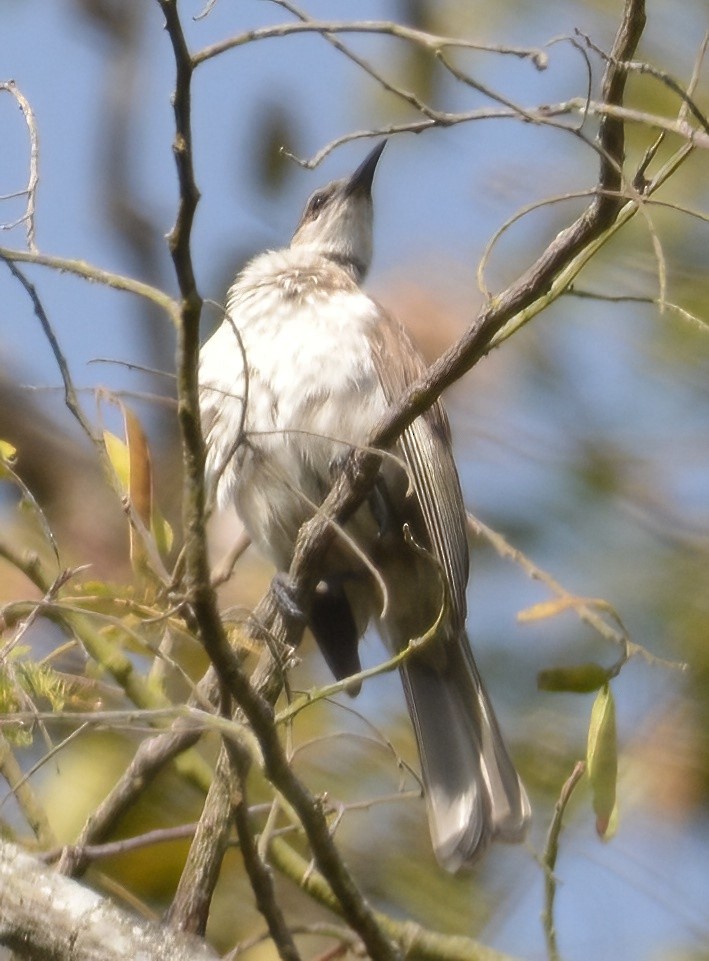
point(311, 390)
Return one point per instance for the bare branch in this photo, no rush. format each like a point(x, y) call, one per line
point(30, 191)
point(70, 396)
point(150, 758)
point(429, 41)
point(258, 872)
point(421, 943)
point(189, 910)
point(698, 323)
point(82, 268)
point(632, 66)
point(679, 126)
point(406, 95)
point(540, 115)
point(550, 854)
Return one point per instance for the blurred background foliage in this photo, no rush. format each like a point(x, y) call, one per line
point(584, 440)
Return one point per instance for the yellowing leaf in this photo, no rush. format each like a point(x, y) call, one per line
point(602, 761)
point(117, 452)
point(579, 678)
point(8, 455)
point(150, 534)
point(141, 473)
point(7, 451)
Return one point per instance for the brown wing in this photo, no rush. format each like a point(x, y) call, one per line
point(426, 448)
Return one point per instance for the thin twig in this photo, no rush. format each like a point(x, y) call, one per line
point(406, 95)
point(259, 873)
point(539, 115)
point(97, 852)
point(29, 498)
point(632, 66)
point(81, 268)
point(319, 929)
point(586, 610)
point(28, 802)
point(30, 191)
point(429, 41)
point(550, 855)
point(698, 323)
point(149, 760)
point(56, 749)
point(70, 396)
point(421, 944)
point(696, 73)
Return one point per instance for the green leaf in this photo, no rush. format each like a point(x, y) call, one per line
point(602, 762)
point(579, 679)
point(162, 533)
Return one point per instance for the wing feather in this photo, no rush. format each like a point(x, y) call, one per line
point(426, 448)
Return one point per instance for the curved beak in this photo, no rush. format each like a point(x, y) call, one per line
point(361, 179)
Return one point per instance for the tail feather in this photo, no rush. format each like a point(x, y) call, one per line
point(473, 792)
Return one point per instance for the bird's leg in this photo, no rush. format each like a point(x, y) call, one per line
point(381, 507)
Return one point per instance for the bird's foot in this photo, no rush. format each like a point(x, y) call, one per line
point(338, 462)
point(283, 591)
point(379, 500)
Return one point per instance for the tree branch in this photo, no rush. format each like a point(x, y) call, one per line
point(421, 943)
point(46, 917)
point(189, 910)
point(200, 594)
point(550, 854)
point(421, 38)
point(81, 268)
point(533, 286)
point(30, 191)
point(259, 873)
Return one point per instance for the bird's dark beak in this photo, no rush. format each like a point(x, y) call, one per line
point(361, 179)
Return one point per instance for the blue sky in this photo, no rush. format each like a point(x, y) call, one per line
point(439, 196)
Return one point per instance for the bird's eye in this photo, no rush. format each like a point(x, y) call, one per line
point(316, 204)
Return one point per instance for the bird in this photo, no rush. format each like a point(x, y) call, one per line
point(299, 372)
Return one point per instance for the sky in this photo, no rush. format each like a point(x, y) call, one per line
point(439, 197)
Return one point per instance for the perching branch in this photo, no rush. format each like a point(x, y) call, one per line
point(537, 284)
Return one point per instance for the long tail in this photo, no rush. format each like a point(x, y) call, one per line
point(473, 792)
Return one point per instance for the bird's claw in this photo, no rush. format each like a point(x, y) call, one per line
point(337, 464)
point(282, 588)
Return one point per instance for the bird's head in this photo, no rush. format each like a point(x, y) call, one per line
point(337, 220)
